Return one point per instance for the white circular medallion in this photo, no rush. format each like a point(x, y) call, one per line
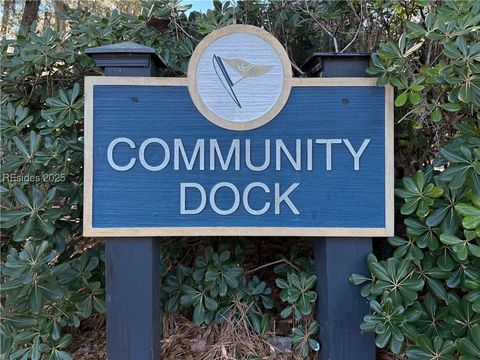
point(239, 77)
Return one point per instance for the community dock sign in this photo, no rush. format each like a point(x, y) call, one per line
point(238, 147)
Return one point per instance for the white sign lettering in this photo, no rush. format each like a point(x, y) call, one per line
point(233, 156)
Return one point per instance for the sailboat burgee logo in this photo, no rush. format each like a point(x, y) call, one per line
point(239, 77)
point(242, 69)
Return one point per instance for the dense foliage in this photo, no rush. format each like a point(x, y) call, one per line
point(425, 298)
point(49, 279)
point(211, 283)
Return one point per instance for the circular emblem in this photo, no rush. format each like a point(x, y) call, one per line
point(239, 77)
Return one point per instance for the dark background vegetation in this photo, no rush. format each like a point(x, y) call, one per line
point(234, 297)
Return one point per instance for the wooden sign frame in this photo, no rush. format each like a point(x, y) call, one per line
point(90, 231)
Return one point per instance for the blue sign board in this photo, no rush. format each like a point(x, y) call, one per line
point(169, 156)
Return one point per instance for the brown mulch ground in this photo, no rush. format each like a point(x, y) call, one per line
point(185, 340)
point(385, 355)
point(89, 341)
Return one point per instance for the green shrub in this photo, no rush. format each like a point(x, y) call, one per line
point(217, 280)
point(425, 299)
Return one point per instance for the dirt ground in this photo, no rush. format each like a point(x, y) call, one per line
point(185, 340)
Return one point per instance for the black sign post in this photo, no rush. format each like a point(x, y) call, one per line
point(340, 308)
point(132, 264)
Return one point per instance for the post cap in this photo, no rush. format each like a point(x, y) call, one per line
point(107, 55)
point(330, 64)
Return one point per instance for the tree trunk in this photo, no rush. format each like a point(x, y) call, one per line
point(7, 5)
point(30, 12)
point(60, 8)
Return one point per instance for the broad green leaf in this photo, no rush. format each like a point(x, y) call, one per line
point(401, 99)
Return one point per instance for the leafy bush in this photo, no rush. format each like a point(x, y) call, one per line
point(425, 299)
point(216, 281)
point(41, 297)
point(46, 284)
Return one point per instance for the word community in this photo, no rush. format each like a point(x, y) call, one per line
point(197, 158)
point(231, 158)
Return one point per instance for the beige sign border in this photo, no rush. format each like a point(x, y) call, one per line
point(192, 76)
point(90, 231)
